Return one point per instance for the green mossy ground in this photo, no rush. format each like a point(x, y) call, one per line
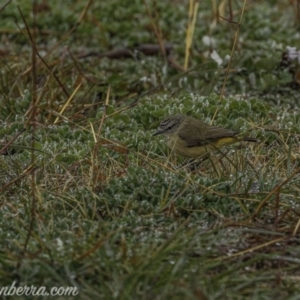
point(104, 206)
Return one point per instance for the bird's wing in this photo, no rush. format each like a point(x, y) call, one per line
point(201, 134)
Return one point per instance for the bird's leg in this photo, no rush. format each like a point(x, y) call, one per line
point(193, 164)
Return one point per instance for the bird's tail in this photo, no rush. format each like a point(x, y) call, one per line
point(250, 139)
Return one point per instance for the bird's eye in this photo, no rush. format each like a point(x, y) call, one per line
point(164, 122)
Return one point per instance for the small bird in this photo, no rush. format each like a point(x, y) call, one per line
point(192, 138)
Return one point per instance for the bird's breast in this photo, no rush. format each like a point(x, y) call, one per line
point(179, 146)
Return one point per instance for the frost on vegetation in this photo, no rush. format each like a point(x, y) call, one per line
point(293, 53)
point(215, 57)
point(195, 97)
point(145, 79)
point(209, 41)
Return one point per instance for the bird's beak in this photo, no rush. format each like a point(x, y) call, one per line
point(157, 132)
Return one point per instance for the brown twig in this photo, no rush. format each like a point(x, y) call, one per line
point(3, 7)
point(11, 141)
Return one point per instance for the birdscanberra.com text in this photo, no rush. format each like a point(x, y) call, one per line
point(32, 290)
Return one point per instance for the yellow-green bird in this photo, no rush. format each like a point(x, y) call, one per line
point(192, 138)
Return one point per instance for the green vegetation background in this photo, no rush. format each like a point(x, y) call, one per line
point(90, 199)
